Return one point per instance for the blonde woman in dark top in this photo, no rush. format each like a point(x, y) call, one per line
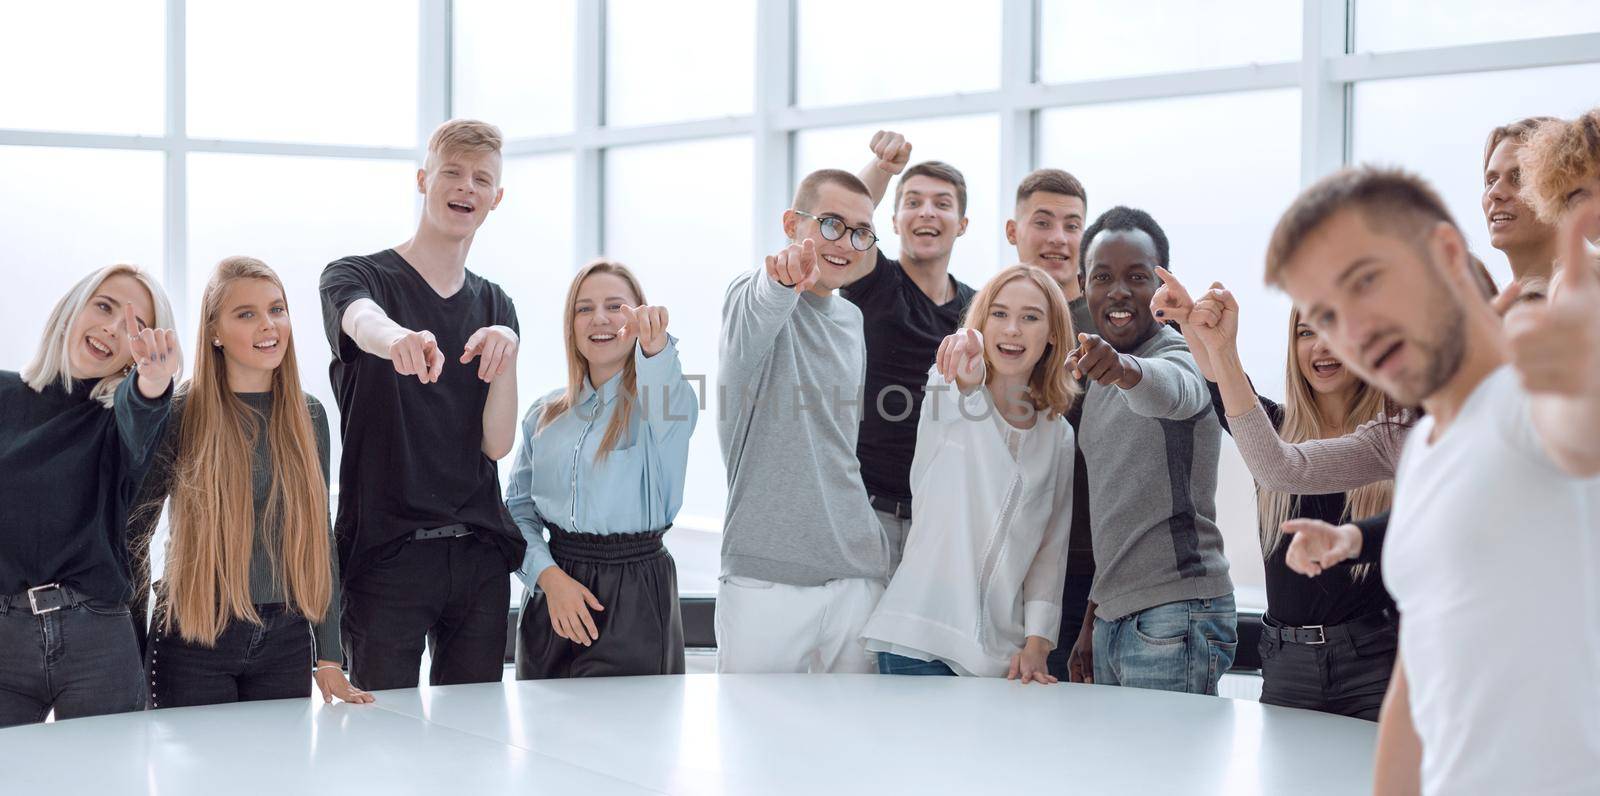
point(77, 429)
point(250, 590)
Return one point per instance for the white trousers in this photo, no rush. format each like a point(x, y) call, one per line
point(775, 628)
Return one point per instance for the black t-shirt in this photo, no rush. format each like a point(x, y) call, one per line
point(1334, 597)
point(413, 453)
point(69, 471)
point(903, 328)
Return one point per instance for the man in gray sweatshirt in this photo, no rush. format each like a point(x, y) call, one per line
point(1161, 612)
point(804, 559)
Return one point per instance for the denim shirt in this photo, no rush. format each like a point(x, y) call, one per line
point(637, 487)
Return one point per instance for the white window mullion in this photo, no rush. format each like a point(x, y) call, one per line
point(175, 191)
point(589, 112)
point(773, 146)
point(1019, 71)
point(1324, 121)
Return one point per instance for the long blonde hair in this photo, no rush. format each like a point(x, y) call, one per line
point(1049, 388)
point(1303, 421)
point(207, 580)
point(578, 365)
point(53, 361)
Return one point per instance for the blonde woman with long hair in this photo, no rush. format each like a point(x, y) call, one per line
point(250, 589)
point(1328, 643)
point(978, 592)
point(601, 465)
point(78, 427)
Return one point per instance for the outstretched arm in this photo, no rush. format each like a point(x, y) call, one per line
point(1555, 348)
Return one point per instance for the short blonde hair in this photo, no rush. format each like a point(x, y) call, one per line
point(459, 136)
point(52, 363)
point(1556, 156)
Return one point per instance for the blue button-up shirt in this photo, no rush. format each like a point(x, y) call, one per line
point(638, 486)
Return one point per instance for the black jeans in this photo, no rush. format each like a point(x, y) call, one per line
point(1348, 675)
point(271, 660)
point(1074, 602)
point(81, 661)
point(452, 594)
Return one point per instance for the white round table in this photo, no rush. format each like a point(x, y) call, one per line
point(706, 734)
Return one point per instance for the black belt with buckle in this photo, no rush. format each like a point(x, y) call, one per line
point(44, 599)
point(890, 506)
point(442, 532)
point(1316, 635)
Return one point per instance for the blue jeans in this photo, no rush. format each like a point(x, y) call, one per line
point(81, 661)
point(890, 663)
point(1182, 646)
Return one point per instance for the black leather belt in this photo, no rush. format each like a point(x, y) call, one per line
point(1316, 635)
point(442, 532)
point(44, 599)
point(890, 506)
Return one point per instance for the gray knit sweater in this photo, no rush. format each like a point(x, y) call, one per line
point(1152, 458)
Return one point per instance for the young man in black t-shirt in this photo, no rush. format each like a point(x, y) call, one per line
point(908, 306)
point(424, 371)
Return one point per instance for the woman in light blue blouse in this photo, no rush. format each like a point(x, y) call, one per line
point(602, 465)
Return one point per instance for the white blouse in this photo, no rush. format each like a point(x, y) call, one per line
point(987, 552)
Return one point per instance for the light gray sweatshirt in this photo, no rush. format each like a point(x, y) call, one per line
point(1152, 458)
point(793, 370)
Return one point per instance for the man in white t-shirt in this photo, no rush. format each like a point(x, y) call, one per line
point(1494, 548)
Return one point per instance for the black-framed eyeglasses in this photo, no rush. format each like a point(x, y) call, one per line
point(833, 228)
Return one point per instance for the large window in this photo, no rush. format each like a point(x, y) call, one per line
point(304, 71)
point(111, 66)
point(849, 51)
point(1216, 204)
point(1437, 126)
point(1088, 40)
point(513, 63)
point(1417, 24)
point(684, 258)
point(714, 77)
point(63, 214)
point(171, 133)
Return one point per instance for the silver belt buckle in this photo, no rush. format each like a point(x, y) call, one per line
point(1322, 635)
point(33, 599)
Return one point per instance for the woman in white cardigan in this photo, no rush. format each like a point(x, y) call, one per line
point(978, 592)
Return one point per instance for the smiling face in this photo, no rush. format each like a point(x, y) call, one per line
point(1382, 305)
point(98, 346)
point(928, 218)
point(1512, 224)
point(1318, 366)
point(597, 320)
point(835, 258)
point(461, 188)
point(1017, 329)
point(1120, 282)
point(252, 324)
point(1047, 230)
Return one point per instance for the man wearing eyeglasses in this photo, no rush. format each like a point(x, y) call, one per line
point(804, 559)
point(907, 306)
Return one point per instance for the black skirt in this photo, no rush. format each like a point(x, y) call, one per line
point(641, 628)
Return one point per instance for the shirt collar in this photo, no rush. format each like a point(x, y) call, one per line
point(607, 392)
